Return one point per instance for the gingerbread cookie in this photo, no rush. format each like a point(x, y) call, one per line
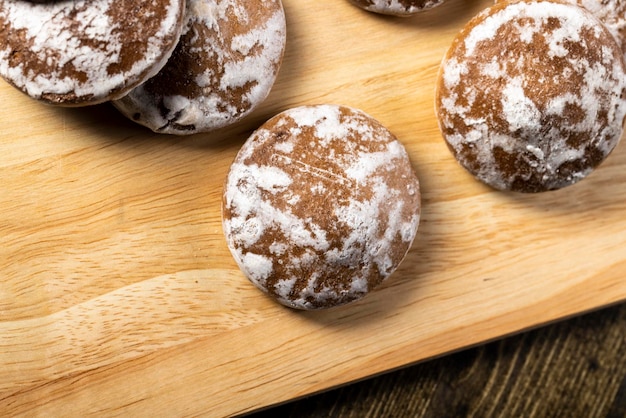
point(531, 95)
point(320, 206)
point(224, 66)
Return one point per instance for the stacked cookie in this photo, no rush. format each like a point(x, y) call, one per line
point(223, 67)
point(174, 66)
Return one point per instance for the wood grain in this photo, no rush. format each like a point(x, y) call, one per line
point(574, 368)
point(119, 295)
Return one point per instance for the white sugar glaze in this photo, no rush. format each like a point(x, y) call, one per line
point(357, 179)
point(85, 36)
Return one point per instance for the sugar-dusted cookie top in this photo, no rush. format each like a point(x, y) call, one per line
point(320, 206)
point(531, 95)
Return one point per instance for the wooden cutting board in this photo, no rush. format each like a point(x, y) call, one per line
point(118, 295)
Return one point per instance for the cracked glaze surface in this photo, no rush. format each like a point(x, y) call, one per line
point(320, 206)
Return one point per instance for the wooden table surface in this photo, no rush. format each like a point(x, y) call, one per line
point(572, 368)
point(118, 295)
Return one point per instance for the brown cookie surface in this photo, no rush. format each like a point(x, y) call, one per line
point(83, 52)
point(320, 206)
point(531, 95)
point(396, 7)
point(224, 66)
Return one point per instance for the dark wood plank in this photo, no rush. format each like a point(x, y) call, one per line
point(573, 368)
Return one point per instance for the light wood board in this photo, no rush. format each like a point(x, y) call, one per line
point(118, 295)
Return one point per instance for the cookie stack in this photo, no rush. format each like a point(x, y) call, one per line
point(174, 66)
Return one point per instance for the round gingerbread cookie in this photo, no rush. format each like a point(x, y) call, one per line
point(531, 95)
point(224, 66)
point(320, 206)
point(84, 52)
point(396, 7)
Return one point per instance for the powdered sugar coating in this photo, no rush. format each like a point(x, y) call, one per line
point(320, 206)
point(612, 13)
point(531, 95)
point(82, 52)
point(397, 7)
point(224, 66)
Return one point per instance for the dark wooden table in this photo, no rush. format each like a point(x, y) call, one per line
point(572, 368)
